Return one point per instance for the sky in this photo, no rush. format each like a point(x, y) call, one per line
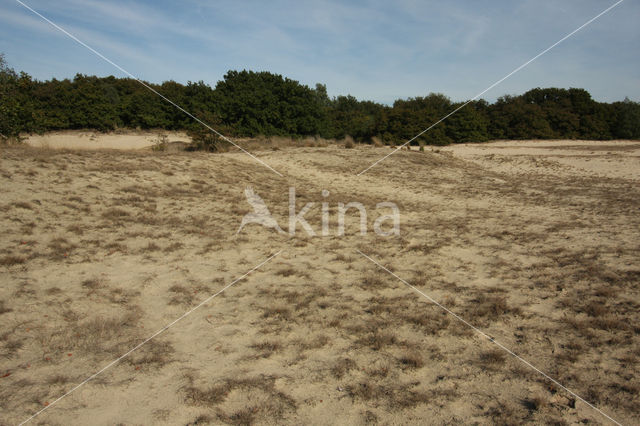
point(373, 50)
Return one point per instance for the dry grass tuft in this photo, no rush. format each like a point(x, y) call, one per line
point(411, 359)
point(59, 379)
point(287, 272)
point(209, 396)
point(492, 359)
point(377, 340)
point(60, 247)
point(22, 205)
point(372, 281)
point(93, 284)
point(99, 336)
point(150, 247)
point(395, 396)
point(342, 367)
point(489, 308)
point(12, 260)
point(377, 142)
point(173, 247)
point(429, 320)
point(282, 313)
point(11, 347)
point(115, 214)
point(3, 308)
point(349, 143)
point(181, 295)
point(266, 348)
point(154, 354)
point(535, 403)
point(273, 405)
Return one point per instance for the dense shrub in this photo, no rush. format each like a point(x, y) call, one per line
point(247, 103)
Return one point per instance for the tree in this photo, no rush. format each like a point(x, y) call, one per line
point(512, 117)
point(248, 103)
point(10, 106)
point(469, 124)
point(410, 117)
point(263, 103)
point(359, 119)
point(626, 122)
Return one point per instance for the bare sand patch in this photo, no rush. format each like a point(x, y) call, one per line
point(614, 159)
point(94, 140)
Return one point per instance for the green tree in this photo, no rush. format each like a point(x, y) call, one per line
point(359, 119)
point(511, 117)
point(410, 117)
point(11, 108)
point(469, 124)
point(264, 103)
point(249, 103)
point(626, 121)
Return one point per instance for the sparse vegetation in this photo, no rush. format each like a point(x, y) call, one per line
point(493, 358)
point(160, 144)
point(319, 332)
point(11, 260)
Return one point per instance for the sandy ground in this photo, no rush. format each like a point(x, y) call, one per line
point(618, 159)
point(535, 244)
point(88, 140)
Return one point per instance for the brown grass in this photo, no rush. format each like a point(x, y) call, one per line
point(492, 359)
point(93, 284)
point(97, 336)
point(22, 205)
point(276, 404)
point(4, 308)
point(394, 397)
point(11, 260)
point(266, 348)
point(411, 359)
point(181, 295)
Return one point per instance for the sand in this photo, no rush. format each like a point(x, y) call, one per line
point(534, 243)
point(88, 140)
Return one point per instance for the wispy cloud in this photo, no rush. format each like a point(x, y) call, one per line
point(110, 45)
point(373, 49)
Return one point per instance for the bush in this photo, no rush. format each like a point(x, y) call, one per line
point(203, 140)
point(11, 109)
point(348, 142)
point(248, 103)
point(160, 143)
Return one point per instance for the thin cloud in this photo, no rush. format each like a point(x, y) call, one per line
point(26, 20)
point(374, 50)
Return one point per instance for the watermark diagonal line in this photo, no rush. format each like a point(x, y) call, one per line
point(154, 335)
point(492, 86)
point(101, 56)
point(489, 338)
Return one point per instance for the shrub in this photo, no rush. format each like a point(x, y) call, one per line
point(348, 142)
point(160, 143)
point(205, 140)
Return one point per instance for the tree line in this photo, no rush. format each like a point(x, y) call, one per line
point(247, 103)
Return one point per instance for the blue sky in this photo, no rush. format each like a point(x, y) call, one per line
point(376, 50)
